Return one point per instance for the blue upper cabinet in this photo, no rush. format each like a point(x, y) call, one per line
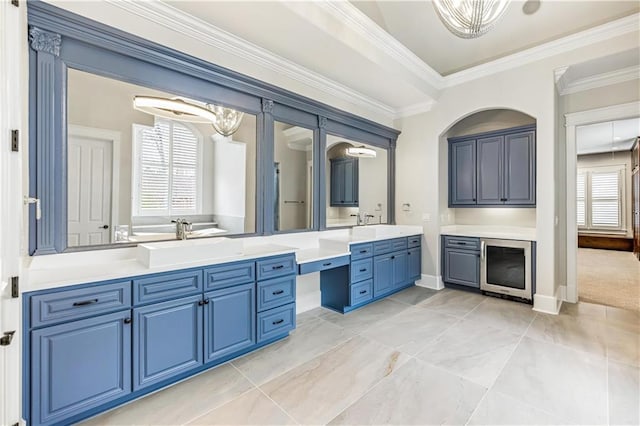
point(493, 169)
point(489, 184)
point(344, 182)
point(519, 166)
point(462, 179)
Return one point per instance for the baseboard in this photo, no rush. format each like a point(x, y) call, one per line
point(433, 282)
point(547, 304)
point(562, 293)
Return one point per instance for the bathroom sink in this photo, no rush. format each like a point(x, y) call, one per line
point(384, 231)
point(186, 251)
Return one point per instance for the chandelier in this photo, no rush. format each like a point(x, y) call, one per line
point(227, 120)
point(470, 18)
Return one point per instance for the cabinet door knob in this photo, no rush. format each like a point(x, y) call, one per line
point(104, 227)
point(128, 320)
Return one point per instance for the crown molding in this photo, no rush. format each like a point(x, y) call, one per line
point(176, 20)
point(567, 87)
point(609, 113)
point(574, 41)
point(351, 16)
point(414, 109)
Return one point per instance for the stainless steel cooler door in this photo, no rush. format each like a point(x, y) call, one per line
point(506, 267)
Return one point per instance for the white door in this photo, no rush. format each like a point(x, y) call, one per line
point(89, 190)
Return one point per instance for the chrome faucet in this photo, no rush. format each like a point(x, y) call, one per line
point(358, 219)
point(367, 217)
point(182, 228)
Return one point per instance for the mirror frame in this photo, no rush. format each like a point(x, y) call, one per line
point(59, 40)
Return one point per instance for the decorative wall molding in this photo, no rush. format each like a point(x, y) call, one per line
point(322, 122)
point(584, 38)
point(45, 41)
point(613, 112)
point(174, 19)
point(566, 86)
point(267, 106)
point(414, 109)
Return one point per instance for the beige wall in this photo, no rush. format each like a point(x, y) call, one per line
point(529, 89)
point(614, 159)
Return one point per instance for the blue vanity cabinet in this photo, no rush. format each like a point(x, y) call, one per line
point(167, 340)
point(462, 173)
point(344, 183)
point(414, 263)
point(383, 276)
point(504, 169)
point(79, 365)
point(461, 261)
point(229, 321)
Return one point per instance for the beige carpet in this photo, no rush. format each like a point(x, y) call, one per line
point(609, 278)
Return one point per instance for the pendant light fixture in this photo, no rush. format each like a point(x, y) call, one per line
point(470, 18)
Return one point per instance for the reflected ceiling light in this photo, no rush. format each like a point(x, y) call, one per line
point(470, 18)
point(227, 120)
point(361, 152)
point(175, 109)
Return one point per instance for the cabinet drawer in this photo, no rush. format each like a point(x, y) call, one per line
point(361, 270)
point(462, 267)
point(228, 275)
point(360, 251)
point(414, 241)
point(321, 265)
point(361, 292)
point(276, 322)
point(276, 266)
point(465, 243)
point(166, 286)
point(387, 246)
point(276, 292)
point(69, 305)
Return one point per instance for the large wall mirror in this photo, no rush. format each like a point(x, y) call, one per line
point(356, 182)
point(136, 164)
point(128, 136)
point(293, 172)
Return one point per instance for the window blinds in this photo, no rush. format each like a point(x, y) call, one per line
point(599, 201)
point(167, 169)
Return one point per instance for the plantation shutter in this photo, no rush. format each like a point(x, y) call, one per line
point(605, 199)
point(581, 200)
point(153, 185)
point(185, 169)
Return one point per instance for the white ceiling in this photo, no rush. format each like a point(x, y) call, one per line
point(416, 25)
point(607, 137)
point(390, 70)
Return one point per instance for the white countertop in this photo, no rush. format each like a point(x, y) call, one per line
point(58, 270)
point(491, 231)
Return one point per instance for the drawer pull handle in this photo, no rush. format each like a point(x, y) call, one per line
point(277, 267)
point(275, 293)
point(364, 251)
point(461, 243)
point(128, 320)
point(85, 302)
point(280, 321)
point(363, 270)
point(393, 257)
point(363, 292)
point(326, 264)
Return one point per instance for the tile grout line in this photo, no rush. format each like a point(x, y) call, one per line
point(267, 396)
point(515, 347)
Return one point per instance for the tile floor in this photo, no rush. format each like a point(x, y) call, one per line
point(421, 357)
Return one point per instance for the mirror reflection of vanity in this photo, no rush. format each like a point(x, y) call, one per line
point(131, 172)
point(126, 140)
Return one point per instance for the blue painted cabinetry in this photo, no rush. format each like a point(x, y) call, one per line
point(493, 169)
point(461, 261)
point(91, 347)
point(376, 270)
point(344, 182)
point(79, 365)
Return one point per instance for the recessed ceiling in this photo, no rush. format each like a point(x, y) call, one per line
point(416, 25)
point(609, 136)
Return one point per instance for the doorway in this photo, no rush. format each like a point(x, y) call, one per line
point(92, 185)
point(601, 267)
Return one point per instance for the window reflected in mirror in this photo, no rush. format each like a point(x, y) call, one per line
point(136, 167)
point(292, 177)
point(356, 184)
